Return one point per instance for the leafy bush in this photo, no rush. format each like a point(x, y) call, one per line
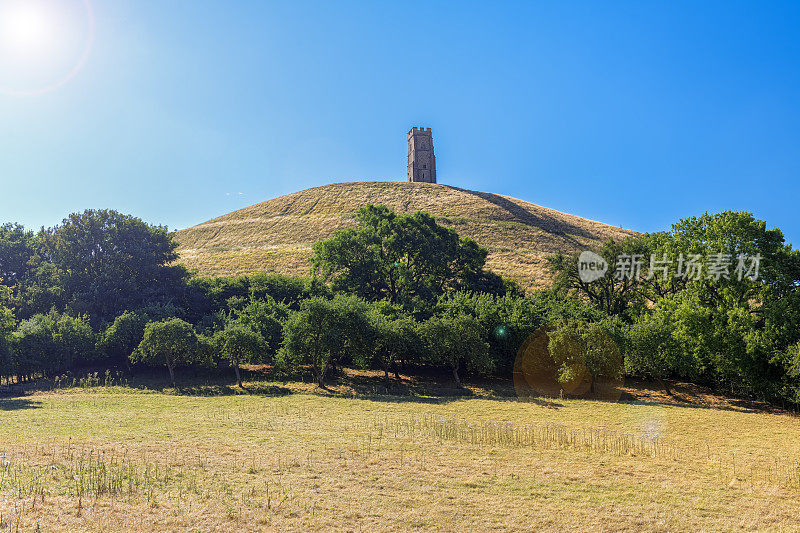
point(583, 353)
point(328, 332)
point(457, 342)
point(286, 290)
point(508, 320)
point(52, 343)
point(209, 296)
point(792, 359)
point(266, 317)
point(7, 363)
point(7, 326)
point(397, 341)
point(121, 338)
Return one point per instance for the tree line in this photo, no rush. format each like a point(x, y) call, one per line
point(398, 292)
point(733, 330)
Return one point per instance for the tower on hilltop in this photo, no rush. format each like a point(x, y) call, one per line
point(421, 161)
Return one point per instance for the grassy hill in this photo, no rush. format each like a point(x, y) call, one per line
point(277, 235)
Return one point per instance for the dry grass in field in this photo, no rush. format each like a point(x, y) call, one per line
point(123, 459)
point(277, 235)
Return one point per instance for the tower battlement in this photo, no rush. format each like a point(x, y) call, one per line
point(421, 161)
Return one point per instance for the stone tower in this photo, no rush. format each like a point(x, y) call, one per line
point(421, 161)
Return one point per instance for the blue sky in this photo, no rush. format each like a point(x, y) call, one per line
point(632, 113)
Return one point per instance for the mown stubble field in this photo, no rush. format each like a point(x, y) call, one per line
point(119, 458)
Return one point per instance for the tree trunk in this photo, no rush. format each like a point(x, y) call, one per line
point(171, 375)
point(320, 372)
point(238, 375)
point(455, 376)
point(664, 384)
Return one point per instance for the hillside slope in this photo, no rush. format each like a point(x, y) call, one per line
point(277, 235)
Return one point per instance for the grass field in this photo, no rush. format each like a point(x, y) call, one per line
point(127, 458)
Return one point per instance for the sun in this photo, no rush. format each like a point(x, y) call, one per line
point(43, 44)
point(25, 28)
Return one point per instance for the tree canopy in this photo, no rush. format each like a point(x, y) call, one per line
point(326, 332)
point(239, 344)
point(402, 258)
point(108, 262)
point(172, 342)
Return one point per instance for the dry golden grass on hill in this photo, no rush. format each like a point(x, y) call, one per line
point(277, 235)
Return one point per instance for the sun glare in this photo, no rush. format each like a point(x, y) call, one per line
point(43, 43)
point(25, 28)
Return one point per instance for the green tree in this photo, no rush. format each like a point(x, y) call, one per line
point(792, 359)
point(172, 342)
point(402, 258)
point(52, 343)
point(583, 353)
point(108, 262)
point(7, 366)
point(285, 290)
point(41, 290)
point(16, 250)
point(239, 344)
point(396, 340)
point(121, 337)
point(7, 326)
point(736, 325)
point(730, 321)
point(75, 338)
point(209, 296)
point(508, 320)
point(328, 332)
point(266, 317)
point(611, 295)
point(456, 342)
point(654, 352)
point(35, 283)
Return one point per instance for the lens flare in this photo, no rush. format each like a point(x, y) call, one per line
point(582, 361)
point(25, 29)
point(43, 44)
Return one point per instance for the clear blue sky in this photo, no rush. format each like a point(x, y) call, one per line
point(632, 113)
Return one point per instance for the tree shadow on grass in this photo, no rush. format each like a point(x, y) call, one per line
point(692, 396)
point(16, 404)
point(252, 389)
point(422, 387)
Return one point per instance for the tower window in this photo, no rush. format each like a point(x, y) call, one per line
point(424, 166)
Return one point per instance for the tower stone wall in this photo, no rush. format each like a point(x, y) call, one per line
point(421, 161)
